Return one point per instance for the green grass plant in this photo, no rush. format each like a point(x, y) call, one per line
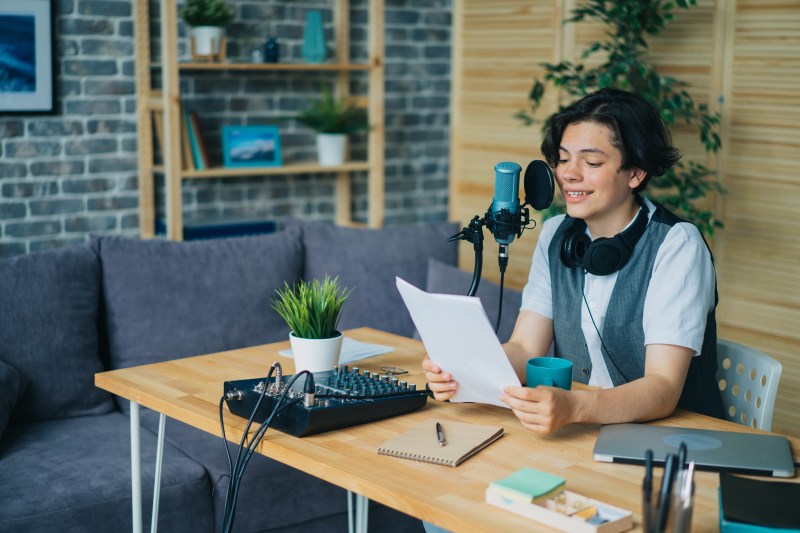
point(312, 309)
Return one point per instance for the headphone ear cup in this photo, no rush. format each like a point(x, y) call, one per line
point(573, 248)
point(603, 257)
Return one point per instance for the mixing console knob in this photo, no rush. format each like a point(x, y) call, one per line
point(356, 370)
point(367, 373)
point(403, 385)
point(412, 386)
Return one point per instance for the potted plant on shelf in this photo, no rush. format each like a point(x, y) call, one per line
point(312, 311)
point(207, 19)
point(333, 119)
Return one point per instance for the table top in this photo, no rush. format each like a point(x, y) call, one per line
point(189, 390)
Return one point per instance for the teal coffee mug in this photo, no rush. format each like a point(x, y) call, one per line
point(550, 371)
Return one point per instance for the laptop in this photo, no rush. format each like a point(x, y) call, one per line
point(746, 453)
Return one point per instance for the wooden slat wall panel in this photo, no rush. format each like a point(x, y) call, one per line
point(744, 52)
point(498, 47)
point(757, 254)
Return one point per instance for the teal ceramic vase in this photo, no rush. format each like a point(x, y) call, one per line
point(314, 49)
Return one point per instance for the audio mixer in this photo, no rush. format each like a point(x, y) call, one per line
point(338, 398)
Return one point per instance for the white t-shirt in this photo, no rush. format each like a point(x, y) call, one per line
point(679, 296)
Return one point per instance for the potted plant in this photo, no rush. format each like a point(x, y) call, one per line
point(207, 19)
point(333, 119)
point(312, 311)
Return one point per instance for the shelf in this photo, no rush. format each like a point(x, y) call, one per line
point(160, 104)
point(292, 168)
point(295, 67)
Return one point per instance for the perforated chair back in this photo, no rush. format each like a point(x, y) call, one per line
point(748, 380)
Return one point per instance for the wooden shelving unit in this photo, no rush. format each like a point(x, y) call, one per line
point(167, 100)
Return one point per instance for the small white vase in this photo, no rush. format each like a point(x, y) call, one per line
point(331, 148)
point(315, 355)
point(207, 40)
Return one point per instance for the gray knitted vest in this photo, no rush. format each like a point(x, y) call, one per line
point(623, 332)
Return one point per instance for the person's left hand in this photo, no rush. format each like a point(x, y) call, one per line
point(541, 409)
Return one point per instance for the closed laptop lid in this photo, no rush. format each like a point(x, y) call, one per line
point(749, 453)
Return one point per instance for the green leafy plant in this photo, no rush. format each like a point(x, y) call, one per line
point(207, 13)
point(312, 309)
point(331, 115)
point(684, 186)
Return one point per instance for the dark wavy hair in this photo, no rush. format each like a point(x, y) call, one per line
point(638, 131)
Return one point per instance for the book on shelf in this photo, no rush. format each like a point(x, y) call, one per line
point(201, 154)
point(186, 145)
point(421, 443)
point(194, 145)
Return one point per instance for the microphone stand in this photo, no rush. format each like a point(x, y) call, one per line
point(474, 234)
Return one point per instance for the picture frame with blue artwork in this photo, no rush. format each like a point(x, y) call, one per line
point(251, 146)
point(27, 71)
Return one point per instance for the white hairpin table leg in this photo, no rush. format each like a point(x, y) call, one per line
point(157, 480)
point(357, 524)
point(136, 469)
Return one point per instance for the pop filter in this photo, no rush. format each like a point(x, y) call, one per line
point(539, 185)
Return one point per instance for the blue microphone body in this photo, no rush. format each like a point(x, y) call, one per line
point(504, 213)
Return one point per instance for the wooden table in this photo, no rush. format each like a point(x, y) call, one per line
point(189, 390)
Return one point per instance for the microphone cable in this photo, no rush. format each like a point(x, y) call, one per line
point(237, 469)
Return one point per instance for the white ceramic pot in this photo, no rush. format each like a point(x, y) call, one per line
point(315, 355)
point(331, 148)
point(207, 40)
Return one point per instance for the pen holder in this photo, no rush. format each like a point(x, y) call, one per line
point(669, 510)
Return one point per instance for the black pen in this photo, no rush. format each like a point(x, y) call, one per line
point(666, 490)
point(440, 434)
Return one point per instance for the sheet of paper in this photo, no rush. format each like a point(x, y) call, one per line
point(460, 339)
point(353, 350)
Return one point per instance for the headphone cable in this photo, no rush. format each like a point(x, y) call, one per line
point(602, 342)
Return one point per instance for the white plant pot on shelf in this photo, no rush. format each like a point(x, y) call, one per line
point(207, 40)
point(315, 355)
point(331, 148)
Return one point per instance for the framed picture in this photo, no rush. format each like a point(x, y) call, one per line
point(251, 146)
point(26, 56)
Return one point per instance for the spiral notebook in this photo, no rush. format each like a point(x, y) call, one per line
point(421, 442)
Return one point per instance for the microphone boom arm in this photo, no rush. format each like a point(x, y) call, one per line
point(474, 234)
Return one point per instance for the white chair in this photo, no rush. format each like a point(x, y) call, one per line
point(748, 380)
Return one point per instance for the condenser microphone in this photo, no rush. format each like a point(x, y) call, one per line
point(503, 218)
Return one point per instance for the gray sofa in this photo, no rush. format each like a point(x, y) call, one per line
point(116, 302)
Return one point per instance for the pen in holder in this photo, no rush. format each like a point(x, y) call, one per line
point(671, 508)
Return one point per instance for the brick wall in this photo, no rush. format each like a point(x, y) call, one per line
point(73, 173)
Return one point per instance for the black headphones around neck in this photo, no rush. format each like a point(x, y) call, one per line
point(604, 255)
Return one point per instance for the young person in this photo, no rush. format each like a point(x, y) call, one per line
point(619, 285)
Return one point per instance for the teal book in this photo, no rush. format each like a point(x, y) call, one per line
point(528, 484)
point(197, 155)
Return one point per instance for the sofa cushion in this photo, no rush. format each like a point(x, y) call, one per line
point(165, 300)
point(368, 261)
point(48, 331)
point(448, 279)
point(12, 386)
point(75, 475)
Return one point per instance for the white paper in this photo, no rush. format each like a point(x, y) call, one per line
point(460, 339)
point(353, 350)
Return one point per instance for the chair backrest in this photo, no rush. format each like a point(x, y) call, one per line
point(748, 380)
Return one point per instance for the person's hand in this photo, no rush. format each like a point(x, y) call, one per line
point(541, 409)
point(441, 383)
